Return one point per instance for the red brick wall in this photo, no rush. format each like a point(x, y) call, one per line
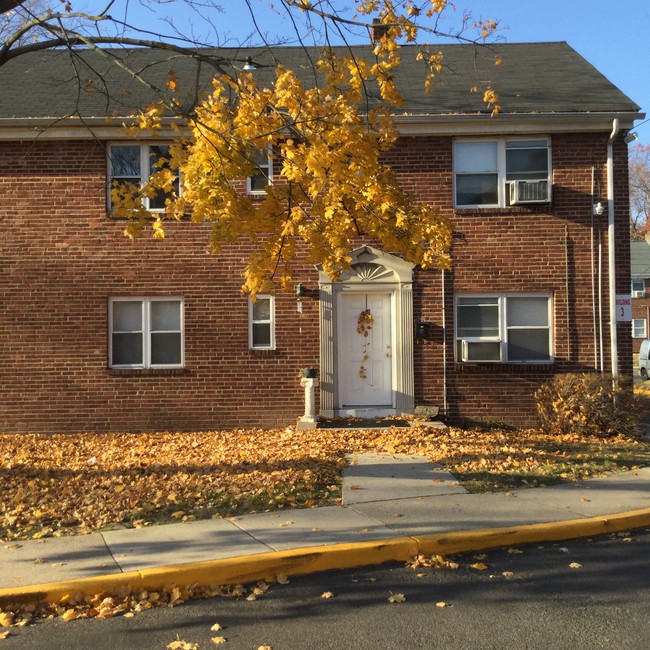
point(519, 250)
point(62, 257)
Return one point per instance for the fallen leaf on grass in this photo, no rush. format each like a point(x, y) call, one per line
point(515, 551)
point(4, 635)
point(239, 470)
point(218, 640)
point(265, 647)
point(396, 598)
point(216, 627)
point(507, 574)
point(6, 619)
point(442, 603)
point(282, 579)
point(327, 594)
point(479, 566)
point(575, 565)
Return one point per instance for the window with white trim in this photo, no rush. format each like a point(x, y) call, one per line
point(133, 164)
point(494, 328)
point(258, 182)
point(639, 328)
point(638, 288)
point(145, 333)
point(501, 172)
point(261, 323)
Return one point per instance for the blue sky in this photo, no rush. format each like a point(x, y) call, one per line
point(614, 36)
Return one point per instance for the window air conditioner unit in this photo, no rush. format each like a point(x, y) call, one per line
point(479, 351)
point(469, 350)
point(528, 192)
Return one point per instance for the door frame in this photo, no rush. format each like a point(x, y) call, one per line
point(370, 270)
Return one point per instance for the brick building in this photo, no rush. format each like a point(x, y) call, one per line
point(640, 272)
point(100, 333)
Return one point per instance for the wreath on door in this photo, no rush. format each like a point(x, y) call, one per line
point(364, 325)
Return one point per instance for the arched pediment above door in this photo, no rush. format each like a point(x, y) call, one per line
point(369, 264)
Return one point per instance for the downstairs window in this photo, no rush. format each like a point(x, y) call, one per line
point(495, 328)
point(146, 333)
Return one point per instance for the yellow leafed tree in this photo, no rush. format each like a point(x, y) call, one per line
point(326, 143)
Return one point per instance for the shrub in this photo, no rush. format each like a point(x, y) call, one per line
point(587, 404)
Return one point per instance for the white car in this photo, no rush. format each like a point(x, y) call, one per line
point(644, 363)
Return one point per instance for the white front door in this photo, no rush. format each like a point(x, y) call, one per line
point(364, 350)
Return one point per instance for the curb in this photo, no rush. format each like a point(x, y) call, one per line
point(323, 558)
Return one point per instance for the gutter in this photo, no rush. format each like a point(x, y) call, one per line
point(410, 124)
point(611, 253)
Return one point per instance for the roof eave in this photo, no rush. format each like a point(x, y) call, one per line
point(103, 128)
point(475, 124)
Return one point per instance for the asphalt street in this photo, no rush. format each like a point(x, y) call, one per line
point(583, 594)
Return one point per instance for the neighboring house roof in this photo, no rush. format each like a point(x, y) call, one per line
point(533, 79)
point(640, 259)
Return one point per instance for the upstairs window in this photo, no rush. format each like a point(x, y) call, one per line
point(503, 329)
point(639, 330)
point(258, 183)
point(501, 172)
point(134, 164)
point(261, 323)
point(638, 288)
point(146, 333)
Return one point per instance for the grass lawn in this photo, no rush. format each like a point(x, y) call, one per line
point(75, 484)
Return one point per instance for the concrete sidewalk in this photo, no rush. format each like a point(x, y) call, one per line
point(394, 506)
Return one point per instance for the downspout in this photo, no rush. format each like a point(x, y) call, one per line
point(600, 303)
point(593, 271)
point(445, 409)
point(611, 255)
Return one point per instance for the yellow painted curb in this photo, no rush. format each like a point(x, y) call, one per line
point(477, 540)
point(224, 572)
point(323, 558)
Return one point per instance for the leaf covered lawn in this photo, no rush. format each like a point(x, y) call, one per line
point(78, 483)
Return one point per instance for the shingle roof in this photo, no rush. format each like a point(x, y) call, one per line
point(534, 78)
point(640, 259)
